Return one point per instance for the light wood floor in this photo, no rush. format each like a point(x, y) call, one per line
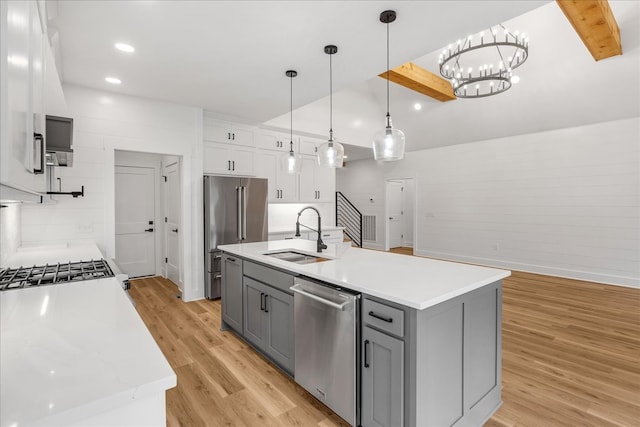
point(571, 357)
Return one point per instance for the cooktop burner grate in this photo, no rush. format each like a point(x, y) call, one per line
point(50, 274)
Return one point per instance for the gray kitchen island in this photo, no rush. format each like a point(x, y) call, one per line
point(428, 331)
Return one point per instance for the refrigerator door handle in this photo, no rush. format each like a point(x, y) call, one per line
point(239, 213)
point(244, 213)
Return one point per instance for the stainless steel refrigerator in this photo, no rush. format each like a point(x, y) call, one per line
point(235, 211)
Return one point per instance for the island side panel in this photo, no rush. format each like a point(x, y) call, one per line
point(457, 359)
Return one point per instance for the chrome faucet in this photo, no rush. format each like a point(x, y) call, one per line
point(321, 244)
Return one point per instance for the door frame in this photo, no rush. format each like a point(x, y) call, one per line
point(153, 161)
point(386, 208)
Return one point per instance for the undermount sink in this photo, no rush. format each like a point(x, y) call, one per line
point(296, 257)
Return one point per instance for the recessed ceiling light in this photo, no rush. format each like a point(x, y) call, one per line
point(417, 106)
point(113, 80)
point(124, 47)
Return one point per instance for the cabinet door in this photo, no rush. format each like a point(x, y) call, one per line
point(254, 312)
point(231, 292)
point(324, 183)
point(287, 183)
point(242, 161)
point(217, 158)
point(266, 163)
point(382, 379)
point(309, 146)
point(217, 132)
point(307, 179)
point(21, 85)
point(279, 343)
point(241, 136)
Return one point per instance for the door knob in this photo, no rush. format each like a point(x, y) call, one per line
point(175, 230)
point(149, 230)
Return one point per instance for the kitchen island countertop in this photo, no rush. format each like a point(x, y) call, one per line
point(407, 280)
point(75, 350)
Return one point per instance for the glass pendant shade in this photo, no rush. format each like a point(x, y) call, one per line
point(388, 144)
point(291, 162)
point(331, 154)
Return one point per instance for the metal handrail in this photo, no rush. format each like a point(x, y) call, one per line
point(348, 216)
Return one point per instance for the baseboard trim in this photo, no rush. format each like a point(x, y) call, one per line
point(589, 276)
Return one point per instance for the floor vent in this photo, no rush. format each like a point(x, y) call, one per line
point(369, 228)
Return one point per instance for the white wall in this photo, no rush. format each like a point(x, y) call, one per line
point(9, 230)
point(562, 202)
point(105, 122)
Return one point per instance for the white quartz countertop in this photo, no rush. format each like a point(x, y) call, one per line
point(408, 280)
point(39, 255)
point(72, 350)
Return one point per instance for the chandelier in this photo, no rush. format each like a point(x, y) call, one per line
point(484, 67)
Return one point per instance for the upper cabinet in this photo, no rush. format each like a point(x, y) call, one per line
point(22, 115)
point(227, 132)
point(269, 140)
point(237, 149)
point(226, 159)
point(317, 183)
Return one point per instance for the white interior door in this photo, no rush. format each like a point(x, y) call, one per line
point(172, 218)
point(135, 230)
point(395, 210)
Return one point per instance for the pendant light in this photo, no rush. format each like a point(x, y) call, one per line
point(331, 153)
point(291, 162)
point(388, 144)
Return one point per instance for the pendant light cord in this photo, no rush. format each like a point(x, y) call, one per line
point(388, 115)
point(291, 114)
point(330, 97)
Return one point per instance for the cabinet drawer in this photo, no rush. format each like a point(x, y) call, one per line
point(384, 317)
point(333, 236)
point(271, 277)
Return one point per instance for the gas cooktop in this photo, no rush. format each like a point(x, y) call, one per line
point(51, 274)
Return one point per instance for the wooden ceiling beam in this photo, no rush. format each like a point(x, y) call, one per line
point(416, 78)
point(595, 24)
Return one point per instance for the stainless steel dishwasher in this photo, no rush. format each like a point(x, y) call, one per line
point(326, 332)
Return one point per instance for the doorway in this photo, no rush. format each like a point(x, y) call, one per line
point(135, 220)
point(399, 215)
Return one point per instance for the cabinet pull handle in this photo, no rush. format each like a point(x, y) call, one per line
point(366, 353)
point(233, 135)
point(38, 137)
point(231, 259)
point(228, 165)
point(261, 301)
point(228, 135)
point(377, 316)
point(234, 165)
point(266, 306)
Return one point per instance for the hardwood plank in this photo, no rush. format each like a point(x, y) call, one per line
point(571, 356)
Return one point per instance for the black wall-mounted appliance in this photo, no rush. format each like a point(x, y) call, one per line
point(59, 141)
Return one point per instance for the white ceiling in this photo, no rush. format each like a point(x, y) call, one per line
point(229, 57)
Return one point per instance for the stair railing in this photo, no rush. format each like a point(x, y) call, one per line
point(349, 217)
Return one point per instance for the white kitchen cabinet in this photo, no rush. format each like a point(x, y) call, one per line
point(317, 183)
point(228, 133)
point(289, 235)
point(228, 159)
point(22, 120)
point(283, 187)
point(309, 145)
point(270, 140)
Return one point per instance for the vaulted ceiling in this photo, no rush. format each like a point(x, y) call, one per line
point(229, 57)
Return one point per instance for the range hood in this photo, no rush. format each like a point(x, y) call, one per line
point(59, 140)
